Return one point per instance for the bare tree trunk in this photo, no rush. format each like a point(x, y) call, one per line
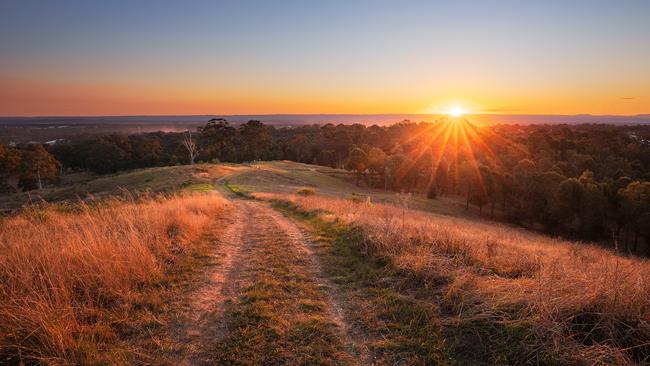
point(40, 182)
point(190, 146)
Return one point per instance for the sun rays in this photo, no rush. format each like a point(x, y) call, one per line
point(451, 142)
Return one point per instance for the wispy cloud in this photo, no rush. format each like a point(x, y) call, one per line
point(496, 110)
point(628, 98)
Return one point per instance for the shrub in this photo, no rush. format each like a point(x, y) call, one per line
point(306, 192)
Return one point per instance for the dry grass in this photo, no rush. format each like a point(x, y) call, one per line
point(66, 276)
point(585, 303)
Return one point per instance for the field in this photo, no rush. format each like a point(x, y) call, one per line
point(287, 263)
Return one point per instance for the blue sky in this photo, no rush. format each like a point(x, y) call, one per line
point(328, 56)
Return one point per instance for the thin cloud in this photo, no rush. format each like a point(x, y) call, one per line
point(495, 110)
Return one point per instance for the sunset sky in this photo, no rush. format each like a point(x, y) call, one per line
point(252, 57)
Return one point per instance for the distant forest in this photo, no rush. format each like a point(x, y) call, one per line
point(582, 181)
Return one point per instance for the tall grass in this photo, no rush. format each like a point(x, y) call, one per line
point(583, 300)
point(62, 272)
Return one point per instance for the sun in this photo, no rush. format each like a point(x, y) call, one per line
point(456, 111)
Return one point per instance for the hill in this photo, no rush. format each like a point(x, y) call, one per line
point(289, 263)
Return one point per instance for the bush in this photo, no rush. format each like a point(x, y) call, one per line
point(306, 192)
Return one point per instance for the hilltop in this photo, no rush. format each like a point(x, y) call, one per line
point(290, 263)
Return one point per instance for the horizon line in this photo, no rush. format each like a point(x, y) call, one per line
point(322, 114)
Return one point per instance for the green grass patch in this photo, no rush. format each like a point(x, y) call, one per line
point(236, 190)
point(198, 187)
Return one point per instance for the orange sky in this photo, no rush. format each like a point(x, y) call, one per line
point(166, 57)
point(34, 98)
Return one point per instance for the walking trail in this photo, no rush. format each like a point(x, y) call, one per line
point(253, 240)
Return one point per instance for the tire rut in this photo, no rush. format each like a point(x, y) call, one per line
point(299, 237)
point(239, 255)
point(202, 320)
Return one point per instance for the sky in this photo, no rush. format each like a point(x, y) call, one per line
point(160, 57)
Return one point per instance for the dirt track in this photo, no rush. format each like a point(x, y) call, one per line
point(249, 242)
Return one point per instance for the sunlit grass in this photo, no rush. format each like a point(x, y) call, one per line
point(65, 274)
point(590, 297)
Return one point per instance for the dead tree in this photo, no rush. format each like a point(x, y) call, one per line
point(190, 146)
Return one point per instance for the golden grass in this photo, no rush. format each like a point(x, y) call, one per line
point(595, 300)
point(61, 272)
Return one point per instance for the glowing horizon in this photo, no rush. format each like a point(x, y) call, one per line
point(170, 58)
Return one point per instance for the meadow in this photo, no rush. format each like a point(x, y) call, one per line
point(572, 301)
point(585, 302)
point(73, 277)
point(388, 277)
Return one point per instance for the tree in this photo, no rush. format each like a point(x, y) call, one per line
point(439, 178)
point(376, 161)
point(467, 180)
point(523, 173)
point(479, 197)
point(339, 141)
point(108, 154)
point(9, 166)
point(485, 188)
point(38, 167)
point(357, 161)
point(594, 209)
point(568, 203)
point(614, 201)
point(190, 146)
point(257, 140)
point(538, 204)
point(636, 202)
point(399, 171)
point(217, 140)
point(326, 158)
point(643, 223)
point(299, 148)
point(146, 151)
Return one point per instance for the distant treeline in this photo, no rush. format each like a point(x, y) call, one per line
point(584, 181)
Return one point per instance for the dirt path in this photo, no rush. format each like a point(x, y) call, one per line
point(264, 299)
point(299, 237)
point(202, 317)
